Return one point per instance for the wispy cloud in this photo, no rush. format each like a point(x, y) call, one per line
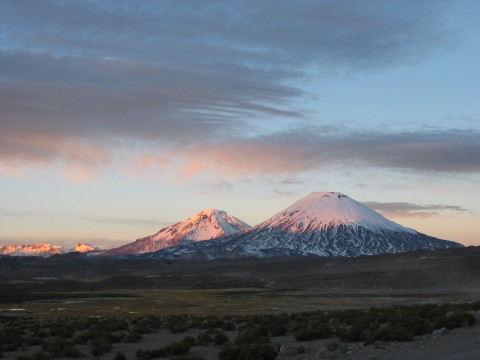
point(405, 209)
point(306, 149)
point(19, 213)
point(126, 221)
point(283, 153)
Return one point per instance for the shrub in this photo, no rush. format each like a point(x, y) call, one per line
point(228, 326)
point(212, 323)
point(220, 338)
point(178, 348)
point(204, 339)
point(457, 319)
point(254, 335)
point(354, 333)
point(309, 334)
point(61, 347)
point(179, 327)
point(247, 352)
point(190, 340)
point(40, 356)
point(119, 356)
point(99, 346)
point(389, 334)
point(133, 336)
point(175, 348)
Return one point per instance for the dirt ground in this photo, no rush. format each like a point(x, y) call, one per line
point(457, 344)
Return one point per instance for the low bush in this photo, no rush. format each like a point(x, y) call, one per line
point(389, 334)
point(220, 338)
point(119, 356)
point(133, 336)
point(100, 345)
point(247, 352)
point(61, 347)
point(255, 335)
point(204, 338)
point(173, 349)
point(309, 334)
point(190, 340)
point(228, 326)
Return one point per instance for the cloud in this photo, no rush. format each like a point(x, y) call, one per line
point(126, 221)
point(313, 148)
point(344, 34)
point(405, 209)
point(20, 213)
point(285, 153)
point(199, 87)
point(192, 69)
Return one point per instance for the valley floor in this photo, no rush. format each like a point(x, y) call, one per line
point(72, 286)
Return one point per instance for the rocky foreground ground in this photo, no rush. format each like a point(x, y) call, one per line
point(443, 344)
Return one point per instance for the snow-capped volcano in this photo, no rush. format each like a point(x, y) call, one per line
point(206, 225)
point(322, 210)
point(322, 224)
point(83, 248)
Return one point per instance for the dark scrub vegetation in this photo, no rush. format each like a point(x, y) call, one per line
point(61, 337)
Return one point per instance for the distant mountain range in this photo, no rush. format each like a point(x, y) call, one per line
point(42, 249)
point(320, 224)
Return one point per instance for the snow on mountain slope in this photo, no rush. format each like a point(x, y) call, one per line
point(321, 224)
point(321, 210)
point(31, 250)
point(83, 248)
point(206, 225)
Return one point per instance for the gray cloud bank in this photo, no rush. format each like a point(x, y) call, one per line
point(82, 82)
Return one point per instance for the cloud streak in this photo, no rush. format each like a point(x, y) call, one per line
point(127, 221)
point(307, 149)
point(283, 153)
point(405, 209)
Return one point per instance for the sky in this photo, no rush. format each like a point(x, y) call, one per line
point(120, 117)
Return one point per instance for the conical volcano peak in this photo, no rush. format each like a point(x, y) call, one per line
point(322, 209)
point(206, 225)
point(210, 212)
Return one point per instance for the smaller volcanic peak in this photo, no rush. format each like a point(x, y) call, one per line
point(31, 250)
point(321, 210)
point(83, 248)
point(206, 225)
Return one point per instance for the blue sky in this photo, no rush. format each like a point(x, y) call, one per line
point(121, 117)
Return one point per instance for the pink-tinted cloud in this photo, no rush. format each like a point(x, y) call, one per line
point(301, 150)
point(77, 159)
point(81, 157)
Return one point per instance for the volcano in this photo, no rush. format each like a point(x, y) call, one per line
point(206, 225)
point(320, 224)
